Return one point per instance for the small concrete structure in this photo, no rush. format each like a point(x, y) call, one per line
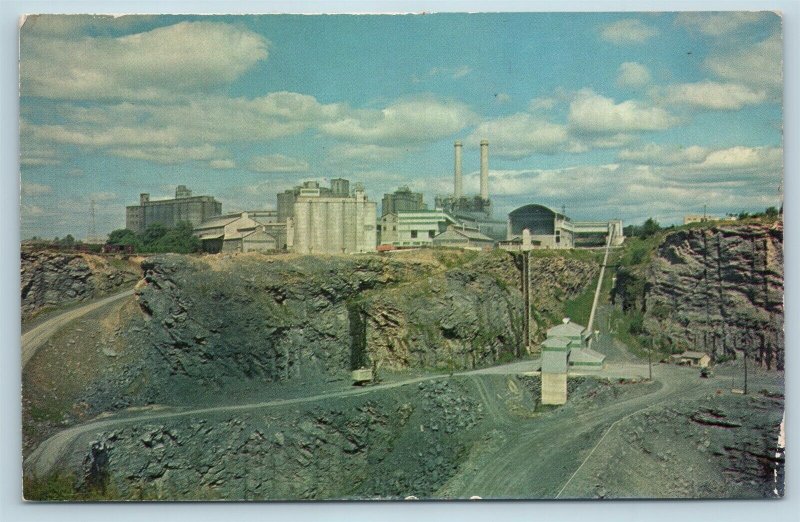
point(688, 358)
point(565, 348)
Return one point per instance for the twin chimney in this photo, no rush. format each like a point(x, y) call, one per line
point(458, 184)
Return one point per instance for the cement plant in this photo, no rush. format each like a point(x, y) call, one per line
point(330, 349)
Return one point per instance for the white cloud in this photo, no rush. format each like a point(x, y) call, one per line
point(544, 103)
point(222, 164)
point(277, 163)
point(35, 189)
point(164, 62)
point(654, 154)
point(628, 31)
point(713, 95)
point(718, 23)
point(453, 72)
point(736, 158)
point(592, 113)
point(102, 196)
point(759, 65)
point(168, 155)
point(404, 122)
point(363, 154)
point(521, 135)
point(632, 74)
point(502, 97)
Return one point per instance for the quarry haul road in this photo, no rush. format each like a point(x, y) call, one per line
point(35, 338)
point(49, 453)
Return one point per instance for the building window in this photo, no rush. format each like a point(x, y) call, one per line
point(431, 233)
point(413, 234)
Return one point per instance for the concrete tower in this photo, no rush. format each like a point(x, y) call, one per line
point(484, 169)
point(458, 188)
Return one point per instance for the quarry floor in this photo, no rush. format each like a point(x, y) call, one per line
point(580, 450)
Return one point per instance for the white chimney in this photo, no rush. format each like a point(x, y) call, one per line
point(484, 169)
point(458, 189)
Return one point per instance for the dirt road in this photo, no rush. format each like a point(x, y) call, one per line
point(32, 340)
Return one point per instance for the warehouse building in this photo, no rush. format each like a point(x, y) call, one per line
point(250, 231)
point(324, 222)
point(413, 228)
point(170, 212)
point(459, 236)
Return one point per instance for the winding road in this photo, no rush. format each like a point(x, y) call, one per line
point(36, 337)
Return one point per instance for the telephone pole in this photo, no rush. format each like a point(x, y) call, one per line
point(650, 358)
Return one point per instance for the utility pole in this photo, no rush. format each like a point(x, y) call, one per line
point(745, 372)
point(650, 358)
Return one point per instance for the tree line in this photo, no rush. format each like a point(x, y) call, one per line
point(158, 239)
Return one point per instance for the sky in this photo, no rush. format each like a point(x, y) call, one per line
point(607, 115)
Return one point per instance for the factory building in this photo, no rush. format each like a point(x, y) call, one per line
point(413, 228)
point(402, 200)
point(472, 211)
point(255, 230)
point(339, 188)
point(324, 222)
point(547, 228)
point(170, 212)
point(459, 236)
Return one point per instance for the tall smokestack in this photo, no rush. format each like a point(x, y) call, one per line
point(458, 188)
point(484, 169)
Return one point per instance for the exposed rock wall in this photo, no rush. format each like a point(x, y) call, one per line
point(54, 278)
point(715, 289)
point(384, 447)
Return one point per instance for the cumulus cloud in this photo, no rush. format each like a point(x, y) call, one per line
point(363, 155)
point(759, 65)
point(742, 158)
point(632, 74)
point(628, 31)
point(521, 135)
point(654, 154)
point(718, 23)
point(35, 189)
point(713, 95)
point(593, 113)
point(403, 122)
point(164, 62)
point(277, 163)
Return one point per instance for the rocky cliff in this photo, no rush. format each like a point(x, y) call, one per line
point(50, 279)
point(216, 320)
point(717, 289)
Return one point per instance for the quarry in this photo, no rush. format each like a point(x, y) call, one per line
point(229, 376)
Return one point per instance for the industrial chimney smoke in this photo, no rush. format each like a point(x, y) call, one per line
point(484, 169)
point(458, 188)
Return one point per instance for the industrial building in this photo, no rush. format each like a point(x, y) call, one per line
point(566, 347)
point(472, 211)
point(459, 236)
point(339, 188)
point(402, 200)
point(328, 222)
point(413, 228)
point(170, 212)
point(257, 230)
point(547, 228)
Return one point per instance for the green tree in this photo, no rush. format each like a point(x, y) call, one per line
point(180, 240)
point(152, 234)
point(771, 212)
point(649, 228)
point(122, 237)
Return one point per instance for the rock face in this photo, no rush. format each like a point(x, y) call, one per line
point(717, 289)
point(219, 319)
point(55, 278)
point(379, 448)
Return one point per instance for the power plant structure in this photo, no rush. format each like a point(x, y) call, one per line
point(472, 211)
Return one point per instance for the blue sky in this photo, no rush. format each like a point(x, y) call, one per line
point(610, 115)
